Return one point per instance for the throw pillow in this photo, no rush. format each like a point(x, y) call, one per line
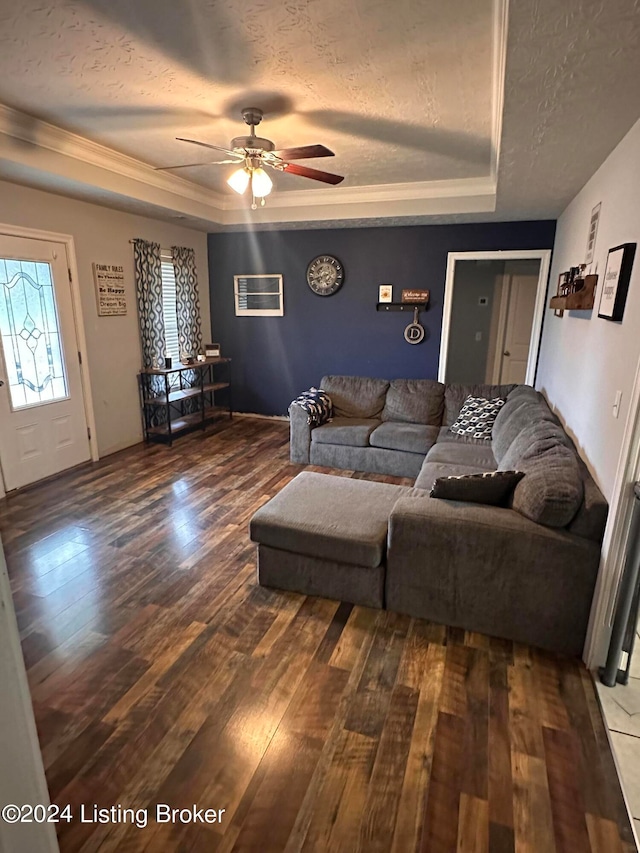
point(492, 488)
point(477, 417)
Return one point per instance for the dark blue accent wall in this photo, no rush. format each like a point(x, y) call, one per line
point(275, 358)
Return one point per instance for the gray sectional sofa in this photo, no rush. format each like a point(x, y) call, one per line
point(524, 571)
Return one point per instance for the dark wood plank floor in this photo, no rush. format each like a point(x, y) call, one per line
point(162, 674)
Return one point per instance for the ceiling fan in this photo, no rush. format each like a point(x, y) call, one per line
point(251, 153)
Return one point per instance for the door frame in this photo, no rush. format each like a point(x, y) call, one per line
point(503, 310)
point(542, 255)
point(616, 536)
point(22, 778)
point(76, 301)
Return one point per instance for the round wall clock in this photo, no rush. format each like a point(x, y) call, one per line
point(325, 275)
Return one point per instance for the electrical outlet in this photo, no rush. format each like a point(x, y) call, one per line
point(616, 404)
point(478, 336)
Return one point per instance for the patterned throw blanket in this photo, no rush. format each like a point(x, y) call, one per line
point(317, 404)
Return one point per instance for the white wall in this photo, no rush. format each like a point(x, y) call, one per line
point(583, 359)
point(22, 778)
point(102, 235)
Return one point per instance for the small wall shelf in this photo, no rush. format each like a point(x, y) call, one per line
point(402, 306)
point(581, 300)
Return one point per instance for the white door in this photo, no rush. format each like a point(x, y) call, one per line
point(522, 291)
point(43, 428)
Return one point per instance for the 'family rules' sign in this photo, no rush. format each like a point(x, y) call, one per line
point(110, 295)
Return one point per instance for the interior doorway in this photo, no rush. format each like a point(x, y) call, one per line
point(492, 316)
point(43, 413)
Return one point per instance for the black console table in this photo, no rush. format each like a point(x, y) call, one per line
point(179, 399)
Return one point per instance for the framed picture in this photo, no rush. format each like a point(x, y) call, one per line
point(385, 293)
point(616, 281)
point(258, 295)
point(593, 231)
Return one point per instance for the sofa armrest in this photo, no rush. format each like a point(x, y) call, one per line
point(491, 570)
point(299, 435)
point(312, 408)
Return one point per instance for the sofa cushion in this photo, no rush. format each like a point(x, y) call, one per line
point(414, 401)
point(355, 396)
point(531, 440)
point(430, 472)
point(552, 490)
point(525, 391)
point(460, 453)
point(491, 488)
point(353, 432)
point(328, 517)
point(445, 436)
point(455, 395)
point(477, 416)
point(518, 412)
point(415, 438)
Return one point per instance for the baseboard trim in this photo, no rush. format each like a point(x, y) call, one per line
point(261, 417)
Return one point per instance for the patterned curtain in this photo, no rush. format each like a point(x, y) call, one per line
point(148, 268)
point(188, 302)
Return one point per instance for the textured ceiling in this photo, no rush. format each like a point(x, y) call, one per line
point(400, 91)
point(572, 91)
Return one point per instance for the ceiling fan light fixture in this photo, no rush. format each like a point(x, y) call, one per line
point(261, 183)
point(239, 180)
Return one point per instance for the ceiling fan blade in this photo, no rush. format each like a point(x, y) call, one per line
point(189, 165)
point(214, 147)
point(314, 174)
point(303, 152)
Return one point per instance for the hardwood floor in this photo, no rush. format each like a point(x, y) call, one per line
point(161, 673)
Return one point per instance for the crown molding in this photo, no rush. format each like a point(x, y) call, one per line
point(40, 134)
point(371, 202)
point(27, 143)
point(376, 193)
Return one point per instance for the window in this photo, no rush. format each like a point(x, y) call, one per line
point(258, 295)
point(169, 311)
point(30, 334)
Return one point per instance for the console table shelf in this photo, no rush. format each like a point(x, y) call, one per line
point(178, 399)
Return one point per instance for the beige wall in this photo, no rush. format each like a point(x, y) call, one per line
point(102, 235)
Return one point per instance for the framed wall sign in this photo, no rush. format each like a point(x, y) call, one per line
point(415, 296)
point(110, 294)
point(615, 283)
point(593, 232)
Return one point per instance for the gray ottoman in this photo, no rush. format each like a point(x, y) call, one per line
point(326, 535)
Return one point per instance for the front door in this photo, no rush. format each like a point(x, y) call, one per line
point(43, 428)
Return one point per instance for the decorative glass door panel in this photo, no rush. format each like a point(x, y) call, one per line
point(43, 424)
point(30, 333)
